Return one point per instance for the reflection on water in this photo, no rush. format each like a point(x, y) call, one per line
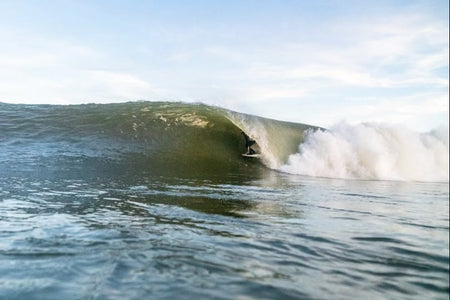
point(268, 236)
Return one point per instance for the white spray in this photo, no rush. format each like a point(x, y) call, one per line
point(372, 151)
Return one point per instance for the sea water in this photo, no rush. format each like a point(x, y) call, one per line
point(88, 211)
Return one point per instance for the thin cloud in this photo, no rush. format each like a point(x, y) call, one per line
point(119, 85)
point(342, 66)
point(406, 52)
point(398, 110)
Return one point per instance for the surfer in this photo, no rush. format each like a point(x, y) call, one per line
point(248, 144)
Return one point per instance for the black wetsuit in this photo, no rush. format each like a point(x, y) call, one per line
point(248, 143)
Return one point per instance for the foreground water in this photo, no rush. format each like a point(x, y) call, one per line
point(130, 202)
point(272, 237)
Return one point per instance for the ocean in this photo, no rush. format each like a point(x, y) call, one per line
point(153, 200)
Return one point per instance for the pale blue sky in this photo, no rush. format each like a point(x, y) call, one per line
point(316, 62)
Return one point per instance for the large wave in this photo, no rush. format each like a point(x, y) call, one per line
point(180, 139)
point(372, 151)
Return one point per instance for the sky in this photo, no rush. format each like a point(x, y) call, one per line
point(314, 62)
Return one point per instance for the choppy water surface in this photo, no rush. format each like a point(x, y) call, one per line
point(276, 236)
point(155, 201)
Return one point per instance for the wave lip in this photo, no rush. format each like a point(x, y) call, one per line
point(372, 151)
point(276, 140)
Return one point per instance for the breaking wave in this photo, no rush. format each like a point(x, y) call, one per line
point(180, 139)
point(372, 151)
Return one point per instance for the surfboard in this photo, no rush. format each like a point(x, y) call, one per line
point(251, 155)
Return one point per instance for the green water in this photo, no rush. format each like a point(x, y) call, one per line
point(154, 201)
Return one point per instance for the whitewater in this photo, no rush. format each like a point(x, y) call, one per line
point(364, 151)
point(153, 200)
point(372, 151)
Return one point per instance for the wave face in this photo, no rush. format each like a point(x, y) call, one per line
point(176, 139)
point(180, 139)
point(372, 151)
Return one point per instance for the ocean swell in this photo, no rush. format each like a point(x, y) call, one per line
point(181, 139)
point(155, 137)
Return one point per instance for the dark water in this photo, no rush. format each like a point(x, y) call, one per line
point(107, 202)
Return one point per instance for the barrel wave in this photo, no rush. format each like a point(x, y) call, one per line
point(181, 139)
point(164, 138)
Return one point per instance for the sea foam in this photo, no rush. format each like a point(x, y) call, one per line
point(372, 151)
